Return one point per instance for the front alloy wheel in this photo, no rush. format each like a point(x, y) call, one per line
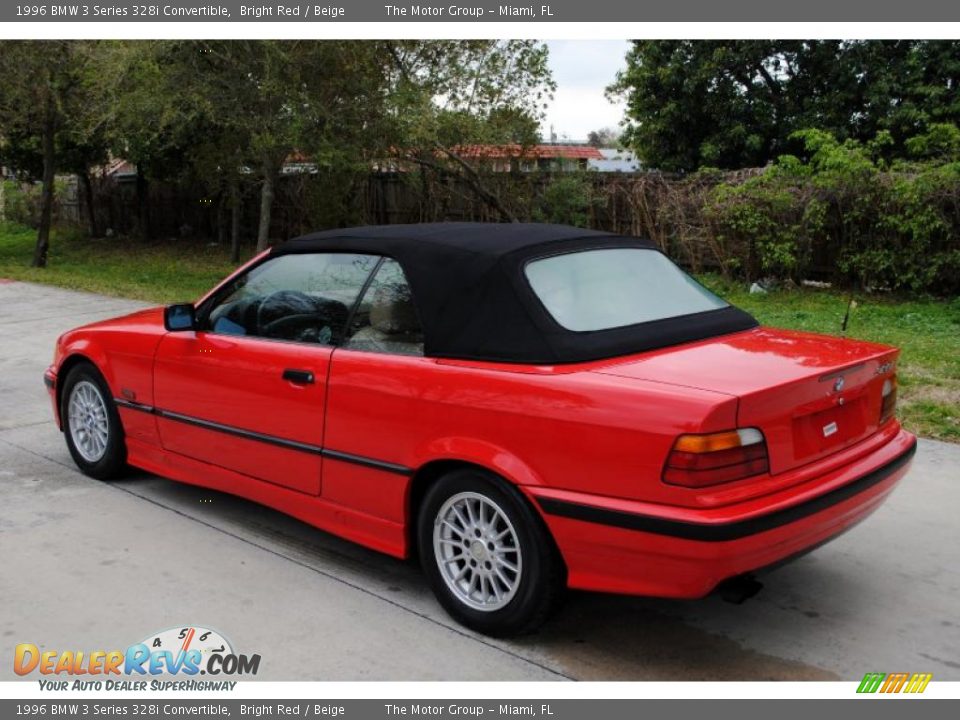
point(91, 424)
point(487, 554)
point(87, 420)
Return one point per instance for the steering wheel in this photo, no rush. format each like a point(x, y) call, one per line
point(316, 317)
point(279, 301)
point(308, 321)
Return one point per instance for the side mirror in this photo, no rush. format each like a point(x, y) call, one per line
point(179, 317)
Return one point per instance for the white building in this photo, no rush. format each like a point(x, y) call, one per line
point(615, 160)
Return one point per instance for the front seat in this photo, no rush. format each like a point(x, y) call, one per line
point(394, 326)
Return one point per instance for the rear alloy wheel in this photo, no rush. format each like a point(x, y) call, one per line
point(488, 556)
point(91, 424)
point(478, 552)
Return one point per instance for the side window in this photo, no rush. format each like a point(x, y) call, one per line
point(304, 298)
point(386, 320)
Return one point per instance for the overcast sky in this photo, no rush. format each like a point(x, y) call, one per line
point(582, 69)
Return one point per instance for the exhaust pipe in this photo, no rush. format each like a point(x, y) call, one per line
point(739, 588)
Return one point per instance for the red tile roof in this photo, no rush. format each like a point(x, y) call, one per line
point(118, 166)
point(565, 152)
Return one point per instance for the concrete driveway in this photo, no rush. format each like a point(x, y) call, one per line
point(91, 565)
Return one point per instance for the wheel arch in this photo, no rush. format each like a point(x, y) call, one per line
point(429, 472)
point(421, 480)
point(72, 360)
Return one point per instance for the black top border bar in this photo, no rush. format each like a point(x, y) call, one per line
point(471, 11)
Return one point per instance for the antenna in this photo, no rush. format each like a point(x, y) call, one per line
point(846, 318)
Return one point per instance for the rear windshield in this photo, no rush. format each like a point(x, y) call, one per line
point(615, 287)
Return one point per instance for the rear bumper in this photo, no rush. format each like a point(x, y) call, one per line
point(639, 548)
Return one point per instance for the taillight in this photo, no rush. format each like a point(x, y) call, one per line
point(702, 460)
point(888, 406)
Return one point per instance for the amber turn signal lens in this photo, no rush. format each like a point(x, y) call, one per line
point(702, 460)
point(718, 441)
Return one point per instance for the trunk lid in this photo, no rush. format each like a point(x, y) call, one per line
point(811, 395)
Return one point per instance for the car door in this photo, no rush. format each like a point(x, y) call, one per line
point(246, 391)
point(379, 378)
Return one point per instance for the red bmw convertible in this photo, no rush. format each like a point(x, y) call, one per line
point(524, 407)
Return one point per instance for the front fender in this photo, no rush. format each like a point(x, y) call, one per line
point(79, 349)
point(124, 356)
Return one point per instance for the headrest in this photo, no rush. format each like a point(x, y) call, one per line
point(393, 312)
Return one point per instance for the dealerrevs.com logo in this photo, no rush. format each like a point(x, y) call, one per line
point(184, 651)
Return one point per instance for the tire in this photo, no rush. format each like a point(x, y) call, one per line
point(510, 573)
point(91, 424)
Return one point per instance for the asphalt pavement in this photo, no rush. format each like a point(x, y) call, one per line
point(92, 565)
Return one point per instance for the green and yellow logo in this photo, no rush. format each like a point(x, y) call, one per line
point(894, 682)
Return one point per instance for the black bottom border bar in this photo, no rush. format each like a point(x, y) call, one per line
point(383, 465)
point(726, 531)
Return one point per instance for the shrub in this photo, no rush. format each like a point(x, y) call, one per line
point(840, 207)
point(566, 199)
point(21, 201)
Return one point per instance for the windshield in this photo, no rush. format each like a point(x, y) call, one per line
point(615, 287)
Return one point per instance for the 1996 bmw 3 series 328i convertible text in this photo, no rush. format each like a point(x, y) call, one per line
point(526, 407)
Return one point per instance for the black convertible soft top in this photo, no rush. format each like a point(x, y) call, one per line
point(474, 300)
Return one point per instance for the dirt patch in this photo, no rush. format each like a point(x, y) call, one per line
point(621, 638)
point(946, 394)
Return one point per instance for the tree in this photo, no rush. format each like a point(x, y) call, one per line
point(160, 120)
point(287, 97)
point(604, 137)
point(78, 154)
point(733, 104)
point(231, 113)
point(44, 109)
point(444, 95)
point(236, 109)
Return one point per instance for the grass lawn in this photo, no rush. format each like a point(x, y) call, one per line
point(178, 271)
point(926, 330)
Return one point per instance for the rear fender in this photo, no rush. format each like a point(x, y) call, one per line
point(479, 452)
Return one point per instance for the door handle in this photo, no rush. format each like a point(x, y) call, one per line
point(300, 377)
